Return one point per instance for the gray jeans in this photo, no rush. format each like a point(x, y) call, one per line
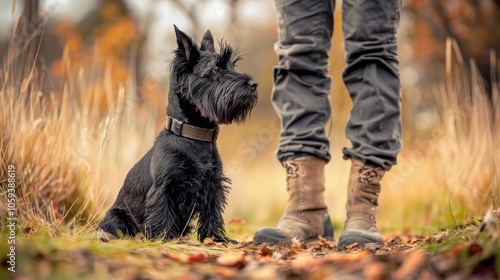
point(302, 85)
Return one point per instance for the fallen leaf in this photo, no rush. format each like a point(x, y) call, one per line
point(373, 246)
point(225, 272)
point(454, 252)
point(305, 261)
point(265, 251)
point(200, 257)
point(440, 236)
point(404, 239)
point(296, 244)
point(189, 276)
point(262, 272)
point(231, 259)
point(236, 220)
point(288, 253)
point(356, 256)
point(325, 243)
point(347, 258)
point(412, 264)
point(426, 275)
point(349, 247)
point(374, 270)
point(178, 257)
point(474, 248)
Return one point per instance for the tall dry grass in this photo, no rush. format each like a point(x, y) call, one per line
point(68, 153)
point(469, 153)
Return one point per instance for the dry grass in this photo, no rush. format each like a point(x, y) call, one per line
point(451, 176)
point(68, 154)
point(470, 121)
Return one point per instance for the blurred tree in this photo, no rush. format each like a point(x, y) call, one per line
point(117, 34)
point(191, 10)
point(110, 34)
point(474, 24)
point(21, 62)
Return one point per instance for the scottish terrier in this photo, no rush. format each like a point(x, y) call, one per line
point(180, 178)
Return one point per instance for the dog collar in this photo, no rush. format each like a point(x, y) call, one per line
point(186, 130)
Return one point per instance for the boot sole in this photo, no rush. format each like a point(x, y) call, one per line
point(274, 240)
point(349, 238)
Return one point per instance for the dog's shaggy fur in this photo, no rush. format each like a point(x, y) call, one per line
point(179, 178)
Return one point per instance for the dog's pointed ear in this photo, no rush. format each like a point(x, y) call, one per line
point(207, 42)
point(185, 46)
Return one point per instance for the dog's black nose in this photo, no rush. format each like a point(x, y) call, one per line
point(253, 84)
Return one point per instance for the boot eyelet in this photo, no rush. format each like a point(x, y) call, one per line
point(301, 213)
point(302, 188)
point(373, 208)
point(302, 202)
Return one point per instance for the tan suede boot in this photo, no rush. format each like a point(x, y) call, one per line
point(306, 214)
point(362, 203)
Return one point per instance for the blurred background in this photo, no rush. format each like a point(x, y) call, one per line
point(84, 87)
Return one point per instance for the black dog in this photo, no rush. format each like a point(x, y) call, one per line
point(181, 177)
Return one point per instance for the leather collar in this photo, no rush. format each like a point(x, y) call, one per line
point(186, 130)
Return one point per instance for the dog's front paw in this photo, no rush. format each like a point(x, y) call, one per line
point(225, 240)
point(105, 236)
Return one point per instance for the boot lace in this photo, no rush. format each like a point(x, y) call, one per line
point(366, 175)
point(291, 169)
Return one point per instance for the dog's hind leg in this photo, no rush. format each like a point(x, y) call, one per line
point(127, 213)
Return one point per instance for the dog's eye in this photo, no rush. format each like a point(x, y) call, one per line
point(215, 69)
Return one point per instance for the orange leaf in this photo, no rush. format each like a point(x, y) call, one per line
point(231, 260)
point(353, 245)
point(411, 265)
point(178, 257)
point(325, 243)
point(236, 220)
point(200, 257)
point(374, 270)
point(185, 258)
point(348, 258)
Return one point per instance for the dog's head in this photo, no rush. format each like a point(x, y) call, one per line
point(206, 78)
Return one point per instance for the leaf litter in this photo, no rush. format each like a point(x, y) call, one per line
point(403, 256)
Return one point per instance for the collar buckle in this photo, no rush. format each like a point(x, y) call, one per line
point(177, 126)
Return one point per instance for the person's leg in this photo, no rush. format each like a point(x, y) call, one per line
point(301, 84)
point(374, 126)
point(301, 99)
